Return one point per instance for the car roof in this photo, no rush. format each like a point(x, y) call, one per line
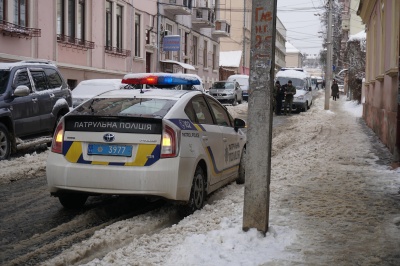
point(9, 66)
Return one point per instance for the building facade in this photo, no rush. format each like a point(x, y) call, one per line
point(294, 58)
point(90, 39)
point(382, 92)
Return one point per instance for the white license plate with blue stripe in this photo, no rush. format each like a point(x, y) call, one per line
point(111, 150)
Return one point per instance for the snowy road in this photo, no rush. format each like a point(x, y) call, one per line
point(334, 201)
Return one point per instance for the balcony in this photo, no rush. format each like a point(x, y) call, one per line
point(178, 7)
point(222, 29)
point(69, 41)
point(118, 52)
point(14, 30)
point(203, 17)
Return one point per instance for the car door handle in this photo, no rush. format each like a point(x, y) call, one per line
point(205, 138)
point(225, 139)
point(34, 100)
point(52, 95)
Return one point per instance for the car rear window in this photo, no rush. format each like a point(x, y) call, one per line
point(137, 107)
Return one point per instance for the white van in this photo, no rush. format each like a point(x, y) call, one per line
point(302, 81)
point(243, 81)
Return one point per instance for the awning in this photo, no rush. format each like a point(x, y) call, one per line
point(184, 65)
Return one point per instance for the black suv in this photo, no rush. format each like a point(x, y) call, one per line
point(33, 98)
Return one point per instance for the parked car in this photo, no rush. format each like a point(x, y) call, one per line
point(159, 141)
point(227, 92)
point(33, 98)
point(304, 94)
point(87, 89)
point(243, 81)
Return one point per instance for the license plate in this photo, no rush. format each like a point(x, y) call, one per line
point(112, 150)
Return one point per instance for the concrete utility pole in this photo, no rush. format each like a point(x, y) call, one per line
point(329, 58)
point(259, 133)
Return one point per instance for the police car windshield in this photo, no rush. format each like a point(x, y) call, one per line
point(4, 75)
point(298, 83)
point(136, 107)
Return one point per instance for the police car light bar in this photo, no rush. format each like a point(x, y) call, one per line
point(160, 79)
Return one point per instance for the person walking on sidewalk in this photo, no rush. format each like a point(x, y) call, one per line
point(290, 91)
point(279, 95)
point(335, 90)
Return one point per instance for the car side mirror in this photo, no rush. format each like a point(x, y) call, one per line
point(21, 91)
point(238, 123)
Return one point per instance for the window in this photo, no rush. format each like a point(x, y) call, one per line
point(22, 78)
point(119, 26)
point(203, 115)
point(71, 20)
point(214, 57)
point(194, 59)
point(20, 13)
point(168, 27)
point(2, 10)
point(81, 20)
point(109, 42)
point(205, 55)
point(39, 79)
point(53, 78)
point(60, 17)
point(137, 35)
point(220, 114)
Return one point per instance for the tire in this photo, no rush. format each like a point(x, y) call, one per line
point(5, 142)
point(197, 193)
point(242, 169)
point(72, 201)
point(305, 108)
point(234, 101)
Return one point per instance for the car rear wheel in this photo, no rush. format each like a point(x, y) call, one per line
point(197, 193)
point(241, 174)
point(72, 201)
point(5, 143)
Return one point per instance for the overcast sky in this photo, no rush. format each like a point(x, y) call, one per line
point(301, 24)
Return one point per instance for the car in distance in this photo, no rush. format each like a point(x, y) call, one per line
point(33, 98)
point(243, 81)
point(86, 89)
point(156, 141)
point(227, 92)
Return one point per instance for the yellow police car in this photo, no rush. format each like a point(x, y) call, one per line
point(164, 139)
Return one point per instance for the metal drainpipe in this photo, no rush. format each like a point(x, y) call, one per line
point(244, 37)
point(158, 37)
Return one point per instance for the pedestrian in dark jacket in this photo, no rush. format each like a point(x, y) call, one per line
point(290, 91)
point(335, 90)
point(279, 94)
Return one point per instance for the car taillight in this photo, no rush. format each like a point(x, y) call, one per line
point(169, 144)
point(56, 145)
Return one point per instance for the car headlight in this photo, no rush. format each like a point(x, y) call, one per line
point(300, 98)
point(230, 92)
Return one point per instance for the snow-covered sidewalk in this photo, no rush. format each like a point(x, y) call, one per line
point(331, 203)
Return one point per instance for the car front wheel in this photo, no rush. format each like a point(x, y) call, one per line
point(5, 143)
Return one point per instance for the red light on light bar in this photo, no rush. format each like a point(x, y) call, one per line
point(150, 80)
